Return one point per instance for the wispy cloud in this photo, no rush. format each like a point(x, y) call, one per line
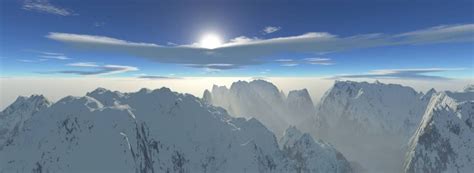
point(319, 61)
point(44, 56)
point(31, 60)
point(44, 6)
point(289, 64)
point(271, 29)
point(417, 73)
point(313, 61)
point(213, 66)
point(83, 64)
point(91, 68)
point(157, 77)
point(57, 57)
point(243, 51)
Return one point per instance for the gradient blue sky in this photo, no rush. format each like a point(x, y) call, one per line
point(422, 40)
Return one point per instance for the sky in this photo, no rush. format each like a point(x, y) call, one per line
point(176, 40)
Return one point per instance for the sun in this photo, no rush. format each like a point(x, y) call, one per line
point(210, 41)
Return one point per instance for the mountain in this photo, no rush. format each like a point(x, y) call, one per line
point(444, 140)
point(371, 123)
point(12, 119)
point(373, 108)
point(302, 147)
point(262, 100)
point(154, 131)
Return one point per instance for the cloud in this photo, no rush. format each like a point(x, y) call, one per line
point(244, 51)
point(99, 24)
point(44, 6)
point(156, 77)
point(289, 64)
point(438, 34)
point(58, 57)
point(44, 56)
point(31, 60)
point(313, 61)
point(213, 66)
point(91, 68)
point(271, 29)
point(83, 64)
point(319, 61)
point(284, 60)
point(419, 73)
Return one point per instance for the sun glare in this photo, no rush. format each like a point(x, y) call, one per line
point(210, 41)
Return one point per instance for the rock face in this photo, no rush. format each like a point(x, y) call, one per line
point(371, 122)
point(262, 100)
point(444, 141)
point(302, 147)
point(12, 119)
point(153, 131)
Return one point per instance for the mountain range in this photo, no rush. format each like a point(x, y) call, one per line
point(149, 131)
point(249, 127)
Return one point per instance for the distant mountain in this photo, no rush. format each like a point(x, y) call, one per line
point(444, 140)
point(373, 108)
point(12, 119)
point(371, 122)
point(264, 101)
point(152, 131)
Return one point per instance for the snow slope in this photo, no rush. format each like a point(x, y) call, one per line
point(154, 131)
point(444, 141)
point(12, 119)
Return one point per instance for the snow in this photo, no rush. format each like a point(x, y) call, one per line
point(370, 123)
point(153, 131)
point(444, 141)
point(12, 119)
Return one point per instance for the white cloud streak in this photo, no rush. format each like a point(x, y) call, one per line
point(243, 51)
point(157, 77)
point(91, 68)
point(44, 6)
point(417, 73)
point(57, 57)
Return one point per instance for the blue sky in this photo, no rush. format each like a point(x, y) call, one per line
point(337, 39)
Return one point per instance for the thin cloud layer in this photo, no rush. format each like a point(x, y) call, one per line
point(244, 51)
point(45, 56)
point(420, 73)
point(313, 61)
point(156, 77)
point(90, 68)
point(44, 6)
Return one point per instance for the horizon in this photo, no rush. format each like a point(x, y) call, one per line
point(315, 86)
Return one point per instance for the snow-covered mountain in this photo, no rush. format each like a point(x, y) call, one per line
point(444, 140)
point(371, 123)
point(301, 146)
point(373, 108)
point(262, 100)
point(12, 119)
point(154, 131)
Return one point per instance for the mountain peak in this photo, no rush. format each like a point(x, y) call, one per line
point(469, 88)
point(303, 93)
point(33, 102)
point(207, 96)
point(428, 94)
point(443, 141)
